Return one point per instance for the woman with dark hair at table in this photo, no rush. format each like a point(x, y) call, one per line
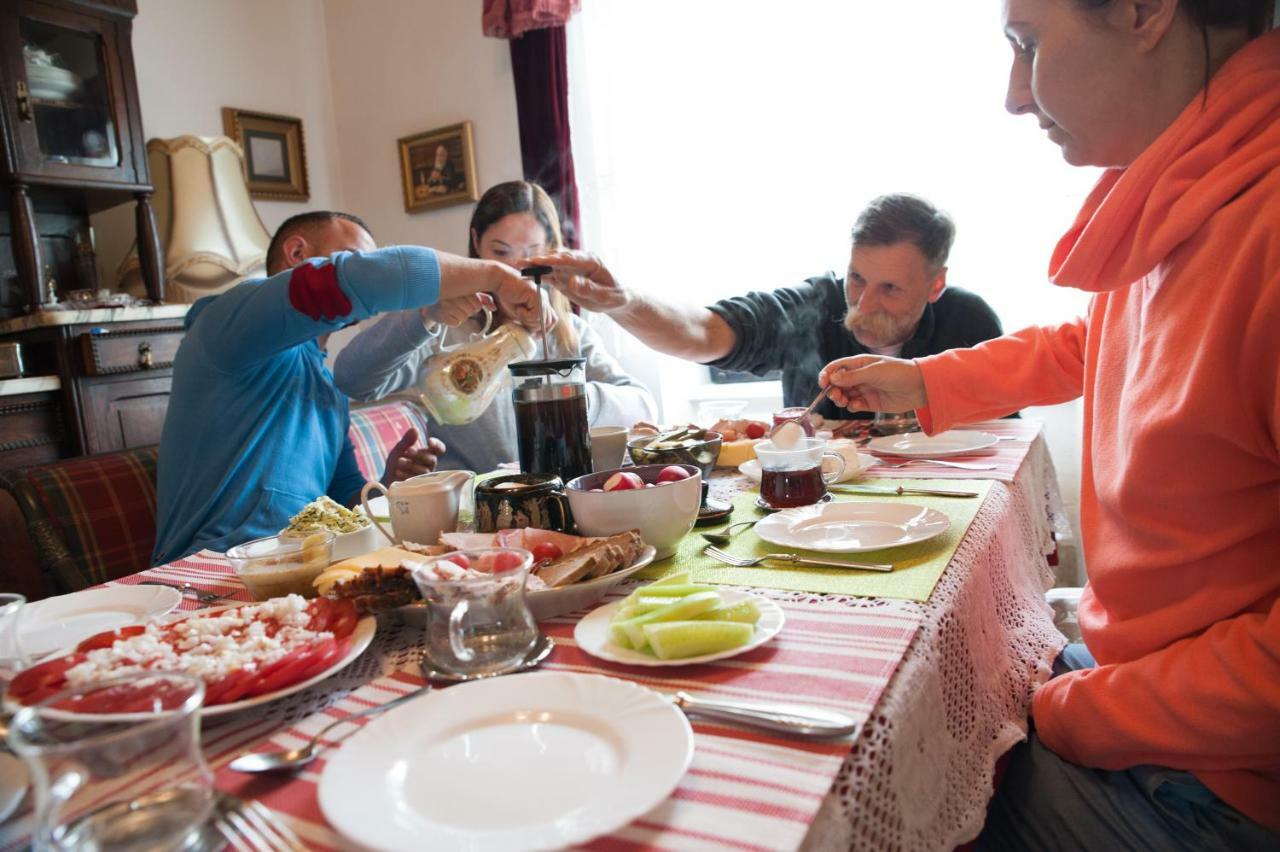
point(512, 222)
point(1164, 733)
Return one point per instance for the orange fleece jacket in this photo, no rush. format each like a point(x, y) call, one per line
point(1178, 360)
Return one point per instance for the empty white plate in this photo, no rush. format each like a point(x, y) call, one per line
point(528, 761)
point(853, 527)
point(954, 442)
point(592, 634)
point(60, 623)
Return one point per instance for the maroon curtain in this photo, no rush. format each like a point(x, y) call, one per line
point(538, 63)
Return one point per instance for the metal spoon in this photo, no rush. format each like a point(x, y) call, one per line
point(290, 759)
point(724, 535)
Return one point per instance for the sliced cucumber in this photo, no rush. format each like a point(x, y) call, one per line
point(745, 611)
point(677, 579)
point(679, 609)
point(675, 590)
point(674, 640)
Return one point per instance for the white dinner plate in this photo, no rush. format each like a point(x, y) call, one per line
point(360, 639)
point(13, 784)
point(955, 442)
point(527, 761)
point(751, 468)
point(852, 527)
point(592, 634)
point(60, 623)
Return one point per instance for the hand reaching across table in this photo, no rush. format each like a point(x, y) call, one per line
point(875, 383)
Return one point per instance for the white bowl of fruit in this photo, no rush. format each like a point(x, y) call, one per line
point(659, 501)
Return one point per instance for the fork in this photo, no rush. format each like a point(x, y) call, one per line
point(200, 595)
point(752, 561)
point(250, 827)
point(961, 465)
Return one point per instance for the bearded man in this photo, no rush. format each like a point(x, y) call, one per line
point(894, 300)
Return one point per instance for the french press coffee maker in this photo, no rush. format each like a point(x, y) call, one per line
point(550, 399)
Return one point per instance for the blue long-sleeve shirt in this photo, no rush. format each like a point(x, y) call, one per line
point(256, 428)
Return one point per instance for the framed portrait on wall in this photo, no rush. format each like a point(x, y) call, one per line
point(438, 168)
point(275, 157)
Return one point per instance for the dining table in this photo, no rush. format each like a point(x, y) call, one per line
point(938, 672)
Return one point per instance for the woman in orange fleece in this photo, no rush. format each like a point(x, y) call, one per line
point(1172, 738)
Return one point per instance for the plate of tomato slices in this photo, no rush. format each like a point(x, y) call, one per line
point(246, 654)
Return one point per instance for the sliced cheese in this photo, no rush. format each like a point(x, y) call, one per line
point(734, 453)
point(339, 572)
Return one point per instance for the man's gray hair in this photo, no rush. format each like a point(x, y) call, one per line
point(904, 218)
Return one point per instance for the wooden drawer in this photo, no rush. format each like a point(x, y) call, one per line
point(31, 429)
point(130, 351)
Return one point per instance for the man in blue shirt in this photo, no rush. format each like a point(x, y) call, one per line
point(256, 428)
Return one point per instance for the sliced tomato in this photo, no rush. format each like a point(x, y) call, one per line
point(40, 682)
point(109, 638)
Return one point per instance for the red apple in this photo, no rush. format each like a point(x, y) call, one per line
point(461, 559)
point(673, 473)
point(504, 561)
point(623, 481)
point(755, 430)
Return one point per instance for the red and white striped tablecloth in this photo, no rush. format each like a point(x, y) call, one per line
point(744, 789)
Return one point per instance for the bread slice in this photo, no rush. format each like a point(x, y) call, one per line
point(594, 559)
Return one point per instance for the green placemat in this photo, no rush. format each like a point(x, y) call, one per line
point(917, 567)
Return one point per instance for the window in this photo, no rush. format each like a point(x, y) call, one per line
point(722, 147)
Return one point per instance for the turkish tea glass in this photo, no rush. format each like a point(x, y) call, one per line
point(118, 766)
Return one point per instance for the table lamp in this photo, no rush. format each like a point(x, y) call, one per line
point(211, 233)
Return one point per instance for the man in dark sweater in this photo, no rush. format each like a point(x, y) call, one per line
point(894, 300)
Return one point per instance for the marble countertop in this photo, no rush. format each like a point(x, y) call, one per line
point(29, 384)
point(93, 315)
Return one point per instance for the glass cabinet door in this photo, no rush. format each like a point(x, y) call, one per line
point(70, 94)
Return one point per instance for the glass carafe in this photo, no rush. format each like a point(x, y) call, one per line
point(551, 417)
point(460, 382)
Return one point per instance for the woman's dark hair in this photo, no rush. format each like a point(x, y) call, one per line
point(1252, 15)
point(514, 196)
point(521, 196)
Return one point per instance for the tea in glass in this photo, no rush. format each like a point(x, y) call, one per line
point(795, 476)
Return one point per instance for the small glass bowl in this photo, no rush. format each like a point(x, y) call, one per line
point(280, 565)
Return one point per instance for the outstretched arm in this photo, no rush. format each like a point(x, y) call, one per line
point(685, 331)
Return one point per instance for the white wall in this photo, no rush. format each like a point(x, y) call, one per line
point(402, 67)
point(194, 57)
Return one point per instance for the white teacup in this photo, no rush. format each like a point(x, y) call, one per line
point(424, 506)
point(608, 447)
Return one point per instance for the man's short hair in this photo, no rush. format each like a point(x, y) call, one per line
point(303, 222)
point(899, 218)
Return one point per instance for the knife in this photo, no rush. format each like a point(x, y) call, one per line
point(899, 491)
point(790, 719)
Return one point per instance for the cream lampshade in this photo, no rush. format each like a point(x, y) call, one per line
point(211, 233)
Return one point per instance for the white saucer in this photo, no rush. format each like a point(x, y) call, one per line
point(59, 623)
point(852, 527)
point(751, 468)
point(955, 442)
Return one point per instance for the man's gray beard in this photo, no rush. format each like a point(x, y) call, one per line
point(878, 330)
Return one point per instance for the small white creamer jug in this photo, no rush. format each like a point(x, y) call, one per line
point(421, 507)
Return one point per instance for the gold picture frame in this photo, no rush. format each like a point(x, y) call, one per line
point(275, 156)
point(438, 168)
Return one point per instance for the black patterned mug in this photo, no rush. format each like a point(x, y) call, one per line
point(521, 500)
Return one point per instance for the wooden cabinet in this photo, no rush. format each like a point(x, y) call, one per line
point(73, 142)
point(114, 369)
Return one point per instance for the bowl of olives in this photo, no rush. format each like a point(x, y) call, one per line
point(685, 445)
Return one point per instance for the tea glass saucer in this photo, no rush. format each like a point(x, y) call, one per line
point(765, 507)
point(541, 649)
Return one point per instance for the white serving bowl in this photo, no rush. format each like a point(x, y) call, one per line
point(663, 514)
point(356, 543)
